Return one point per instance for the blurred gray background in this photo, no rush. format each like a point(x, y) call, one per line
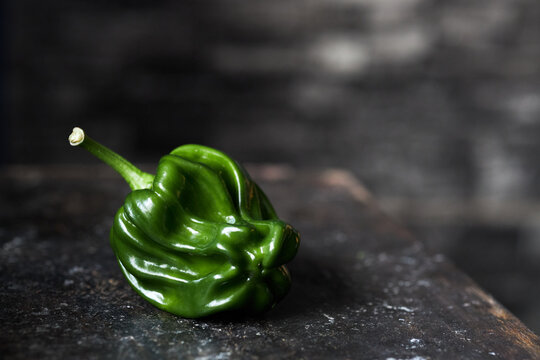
point(435, 106)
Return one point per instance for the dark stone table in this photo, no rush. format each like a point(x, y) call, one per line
point(363, 287)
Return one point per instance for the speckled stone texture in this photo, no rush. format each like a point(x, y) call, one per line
point(362, 286)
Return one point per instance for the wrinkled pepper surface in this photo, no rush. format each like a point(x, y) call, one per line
point(199, 237)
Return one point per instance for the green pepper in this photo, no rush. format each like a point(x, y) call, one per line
point(199, 237)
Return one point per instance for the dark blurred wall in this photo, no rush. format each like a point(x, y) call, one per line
point(435, 105)
point(418, 98)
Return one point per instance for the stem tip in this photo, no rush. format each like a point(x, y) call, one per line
point(76, 137)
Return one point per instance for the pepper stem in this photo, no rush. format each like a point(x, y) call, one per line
point(135, 178)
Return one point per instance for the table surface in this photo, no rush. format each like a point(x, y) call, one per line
point(363, 286)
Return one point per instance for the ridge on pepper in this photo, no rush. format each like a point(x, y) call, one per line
point(199, 237)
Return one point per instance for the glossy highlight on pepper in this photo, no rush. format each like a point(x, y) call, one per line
point(199, 237)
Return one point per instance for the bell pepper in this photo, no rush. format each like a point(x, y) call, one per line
point(199, 237)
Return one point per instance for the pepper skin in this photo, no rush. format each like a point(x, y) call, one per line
point(199, 237)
